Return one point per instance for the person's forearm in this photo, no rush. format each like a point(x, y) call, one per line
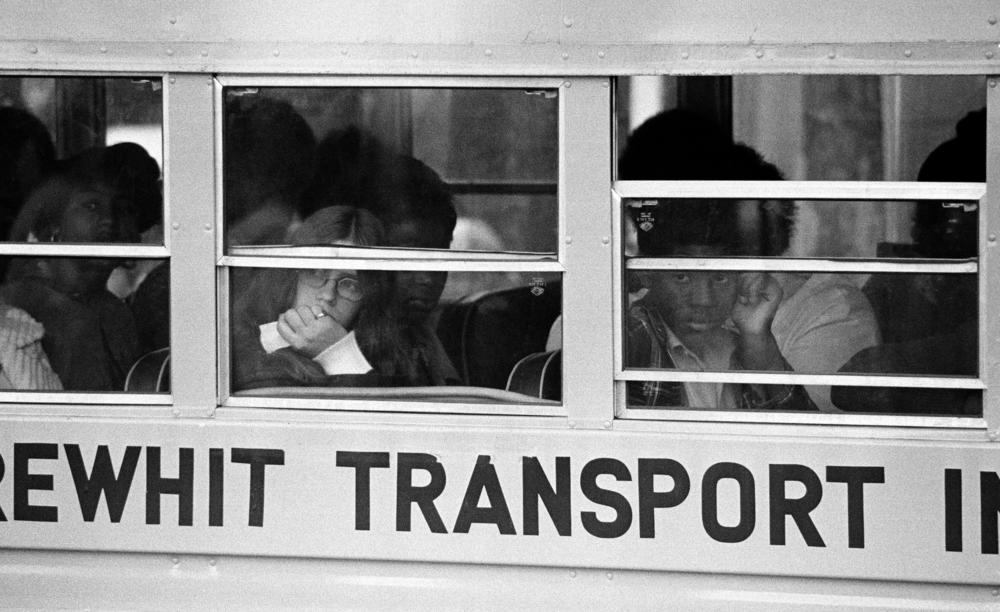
point(760, 352)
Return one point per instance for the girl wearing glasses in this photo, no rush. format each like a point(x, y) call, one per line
point(297, 327)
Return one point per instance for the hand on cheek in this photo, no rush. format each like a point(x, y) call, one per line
point(757, 303)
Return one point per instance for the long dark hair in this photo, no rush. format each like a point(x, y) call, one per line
point(270, 292)
point(400, 353)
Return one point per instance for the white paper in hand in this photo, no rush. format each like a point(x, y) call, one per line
point(270, 339)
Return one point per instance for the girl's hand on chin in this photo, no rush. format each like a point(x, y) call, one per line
point(309, 330)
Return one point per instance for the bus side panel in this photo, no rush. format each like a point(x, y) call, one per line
point(877, 510)
point(63, 580)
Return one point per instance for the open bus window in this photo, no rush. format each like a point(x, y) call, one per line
point(322, 329)
point(846, 127)
point(872, 287)
point(483, 162)
point(767, 227)
point(814, 128)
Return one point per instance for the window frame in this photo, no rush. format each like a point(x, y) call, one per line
point(87, 402)
point(873, 191)
point(591, 396)
point(380, 258)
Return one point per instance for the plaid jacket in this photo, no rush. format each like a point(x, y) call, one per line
point(647, 346)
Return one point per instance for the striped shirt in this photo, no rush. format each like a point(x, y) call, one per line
point(23, 364)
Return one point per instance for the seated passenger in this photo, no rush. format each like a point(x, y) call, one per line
point(681, 321)
point(948, 354)
point(913, 306)
point(823, 319)
point(328, 327)
point(295, 327)
point(90, 335)
point(142, 283)
point(268, 151)
point(26, 157)
point(136, 175)
point(929, 321)
point(416, 209)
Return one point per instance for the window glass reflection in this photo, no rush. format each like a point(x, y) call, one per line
point(93, 144)
point(804, 128)
point(813, 127)
point(699, 320)
point(818, 126)
point(329, 328)
point(770, 228)
point(899, 401)
point(644, 395)
point(466, 169)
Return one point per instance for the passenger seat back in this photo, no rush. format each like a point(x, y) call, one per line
point(486, 334)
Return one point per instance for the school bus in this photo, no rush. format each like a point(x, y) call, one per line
point(178, 488)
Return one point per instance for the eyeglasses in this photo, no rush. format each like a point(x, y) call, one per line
point(348, 287)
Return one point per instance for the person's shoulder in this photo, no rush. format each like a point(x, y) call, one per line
point(18, 326)
point(826, 299)
point(640, 317)
point(825, 288)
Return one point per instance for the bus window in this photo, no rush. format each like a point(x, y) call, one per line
point(85, 285)
point(391, 237)
point(855, 291)
point(928, 324)
point(477, 340)
point(491, 152)
point(106, 127)
point(767, 228)
point(818, 128)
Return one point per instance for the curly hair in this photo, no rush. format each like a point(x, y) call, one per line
point(119, 168)
point(951, 232)
point(679, 144)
